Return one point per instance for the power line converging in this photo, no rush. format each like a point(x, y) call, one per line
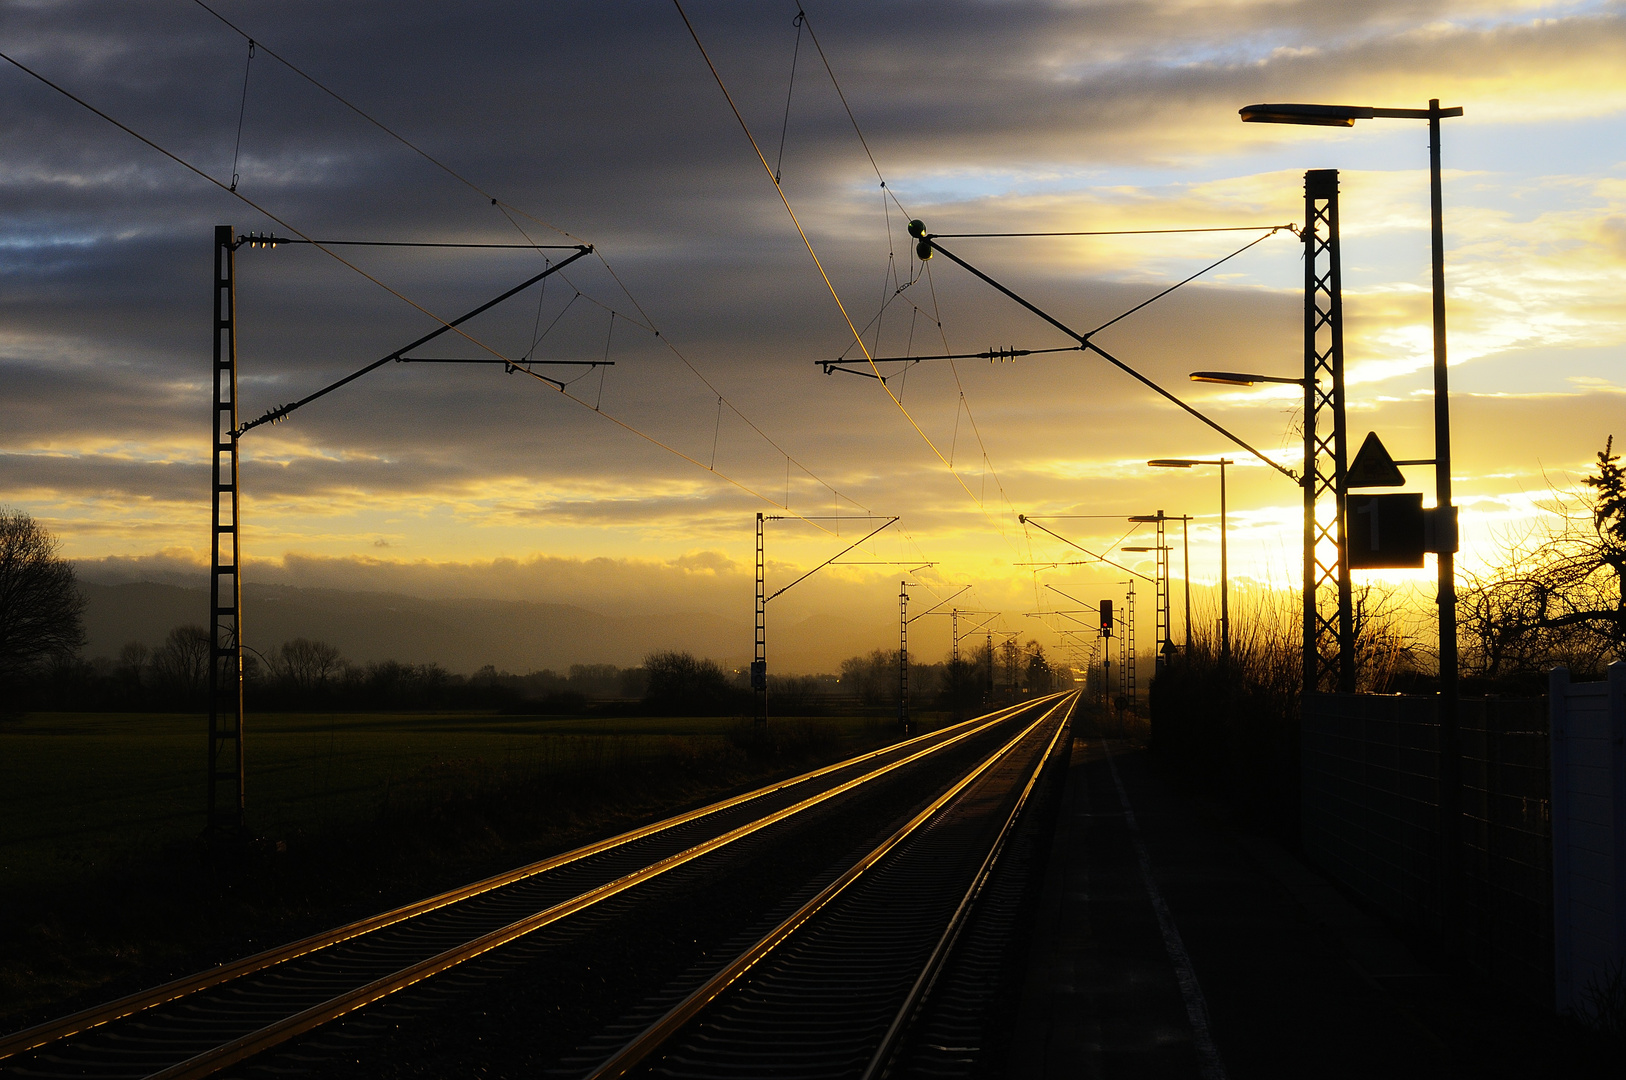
point(896, 286)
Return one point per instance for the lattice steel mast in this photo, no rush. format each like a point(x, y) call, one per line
point(1329, 656)
point(903, 655)
point(225, 627)
point(759, 659)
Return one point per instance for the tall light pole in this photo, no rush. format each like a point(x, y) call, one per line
point(1308, 484)
point(1445, 512)
point(1225, 564)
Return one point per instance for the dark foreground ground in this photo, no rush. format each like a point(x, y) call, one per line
point(1255, 967)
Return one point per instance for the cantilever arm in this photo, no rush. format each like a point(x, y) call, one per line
point(1024, 519)
point(278, 413)
point(831, 559)
point(1085, 343)
point(939, 604)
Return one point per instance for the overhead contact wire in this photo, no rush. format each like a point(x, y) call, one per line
point(515, 365)
point(937, 314)
point(506, 207)
point(814, 255)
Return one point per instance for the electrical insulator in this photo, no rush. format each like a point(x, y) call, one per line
point(923, 250)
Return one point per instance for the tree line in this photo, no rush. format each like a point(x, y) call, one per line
point(42, 667)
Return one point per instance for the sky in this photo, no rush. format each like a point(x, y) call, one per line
point(601, 123)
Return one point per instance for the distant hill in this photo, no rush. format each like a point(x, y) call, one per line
point(462, 635)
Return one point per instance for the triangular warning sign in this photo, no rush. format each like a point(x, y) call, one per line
point(1373, 467)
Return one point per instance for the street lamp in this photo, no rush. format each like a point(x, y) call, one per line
point(1345, 116)
point(1241, 378)
point(1445, 513)
point(1225, 568)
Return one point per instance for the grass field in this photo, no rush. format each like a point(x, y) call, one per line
point(81, 791)
point(104, 886)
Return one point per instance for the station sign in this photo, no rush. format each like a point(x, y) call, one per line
point(1385, 531)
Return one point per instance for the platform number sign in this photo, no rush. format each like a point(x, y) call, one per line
point(1385, 531)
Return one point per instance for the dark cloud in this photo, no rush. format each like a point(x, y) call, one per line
point(603, 120)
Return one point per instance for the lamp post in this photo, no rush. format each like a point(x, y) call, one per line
point(1445, 513)
point(1307, 481)
point(1225, 566)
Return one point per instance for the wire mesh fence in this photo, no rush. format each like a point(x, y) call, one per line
point(1371, 819)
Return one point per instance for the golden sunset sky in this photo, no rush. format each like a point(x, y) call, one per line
point(603, 120)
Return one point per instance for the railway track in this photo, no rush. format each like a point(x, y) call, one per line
point(198, 1025)
point(841, 987)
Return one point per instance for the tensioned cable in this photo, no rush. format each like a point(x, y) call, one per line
point(516, 366)
point(1094, 555)
point(336, 96)
point(988, 464)
point(784, 128)
point(255, 240)
point(1187, 281)
point(505, 207)
point(508, 209)
point(814, 255)
point(938, 319)
point(1118, 232)
point(1084, 340)
point(837, 84)
point(242, 110)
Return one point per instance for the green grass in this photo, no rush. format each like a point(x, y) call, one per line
point(81, 791)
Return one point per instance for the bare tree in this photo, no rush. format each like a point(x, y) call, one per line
point(181, 664)
point(41, 609)
point(1558, 597)
point(132, 666)
point(308, 665)
point(872, 677)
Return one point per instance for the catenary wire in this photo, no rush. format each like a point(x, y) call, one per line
point(859, 131)
point(1187, 281)
point(242, 110)
point(508, 210)
point(1117, 232)
point(516, 366)
point(816, 261)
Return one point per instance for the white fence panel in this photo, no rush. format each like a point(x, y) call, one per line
point(1588, 726)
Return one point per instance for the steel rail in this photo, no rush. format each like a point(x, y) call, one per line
point(880, 1064)
point(236, 1050)
point(658, 1033)
point(44, 1034)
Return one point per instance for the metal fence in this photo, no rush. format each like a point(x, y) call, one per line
point(1371, 820)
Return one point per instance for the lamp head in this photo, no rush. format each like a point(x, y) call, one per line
point(1173, 463)
point(1312, 115)
point(1228, 378)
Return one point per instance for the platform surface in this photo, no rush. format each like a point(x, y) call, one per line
point(1172, 942)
